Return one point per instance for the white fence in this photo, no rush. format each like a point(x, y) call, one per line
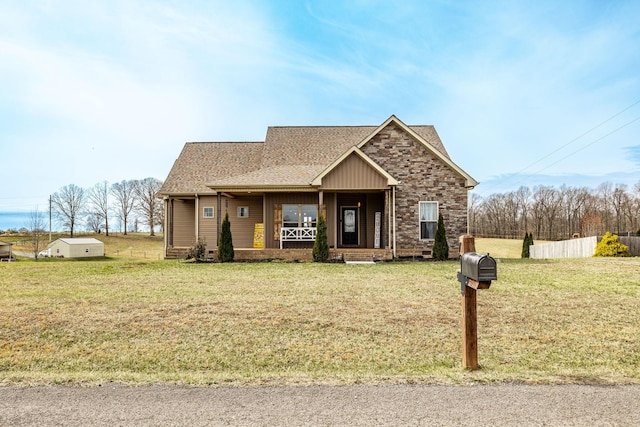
point(297, 234)
point(578, 248)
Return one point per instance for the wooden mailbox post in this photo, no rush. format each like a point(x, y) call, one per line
point(476, 272)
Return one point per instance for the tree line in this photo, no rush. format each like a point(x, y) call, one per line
point(127, 202)
point(557, 213)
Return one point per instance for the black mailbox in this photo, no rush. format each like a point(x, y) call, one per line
point(479, 267)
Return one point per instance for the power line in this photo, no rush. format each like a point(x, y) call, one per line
point(590, 144)
point(580, 136)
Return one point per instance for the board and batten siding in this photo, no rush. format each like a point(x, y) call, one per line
point(242, 228)
point(353, 173)
point(184, 231)
point(208, 227)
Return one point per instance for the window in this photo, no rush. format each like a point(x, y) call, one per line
point(207, 212)
point(299, 215)
point(243, 211)
point(428, 220)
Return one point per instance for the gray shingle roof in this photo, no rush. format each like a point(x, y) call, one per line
point(290, 156)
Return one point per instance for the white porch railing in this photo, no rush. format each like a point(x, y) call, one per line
point(297, 234)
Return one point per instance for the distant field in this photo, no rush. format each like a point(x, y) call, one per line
point(147, 321)
point(116, 245)
point(133, 245)
point(501, 248)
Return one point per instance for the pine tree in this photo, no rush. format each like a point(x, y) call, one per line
point(321, 245)
point(528, 240)
point(225, 247)
point(440, 245)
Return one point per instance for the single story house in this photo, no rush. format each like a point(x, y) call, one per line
point(380, 189)
point(77, 247)
point(5, 250)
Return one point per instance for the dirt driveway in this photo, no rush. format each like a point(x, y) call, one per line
point(361, 405)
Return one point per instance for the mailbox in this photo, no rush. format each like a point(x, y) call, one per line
point(479, 267)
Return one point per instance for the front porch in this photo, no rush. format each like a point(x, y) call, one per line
point(294, 255)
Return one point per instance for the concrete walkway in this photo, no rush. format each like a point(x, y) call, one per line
point(361, 405)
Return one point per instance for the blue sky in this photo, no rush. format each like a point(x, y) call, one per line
point(521, 92)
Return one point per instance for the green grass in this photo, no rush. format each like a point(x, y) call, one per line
point(143, 321)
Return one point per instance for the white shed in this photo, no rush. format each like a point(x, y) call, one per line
point(5, 251)
point(76, 248)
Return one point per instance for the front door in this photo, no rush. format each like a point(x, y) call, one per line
point(349, 218)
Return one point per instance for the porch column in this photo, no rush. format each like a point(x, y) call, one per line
point(197, 219)
point(393, 201)
point(218, 220)
point(169, 206)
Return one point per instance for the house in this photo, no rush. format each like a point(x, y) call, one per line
point(380, 189)
point(77, 247)
point(6, 254)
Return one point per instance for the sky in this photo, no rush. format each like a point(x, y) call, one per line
point(522, 93)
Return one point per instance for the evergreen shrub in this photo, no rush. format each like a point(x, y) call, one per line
point(198, 250)
point(610, 246)
point(440, 245)
point(225, 246)
point(321, 245)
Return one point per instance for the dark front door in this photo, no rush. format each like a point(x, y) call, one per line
point(349, 218)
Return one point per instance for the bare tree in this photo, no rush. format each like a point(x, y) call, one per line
point(619, 201)
point(522, 196)
point(94, 222)
point(68, 204)
point(146, 191)
point(124, 194)
point(36, 228)
point(604, 192)
point(99, 197)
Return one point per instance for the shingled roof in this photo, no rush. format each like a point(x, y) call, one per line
point(289, 156)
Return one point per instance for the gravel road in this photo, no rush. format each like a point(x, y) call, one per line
point(360, 405)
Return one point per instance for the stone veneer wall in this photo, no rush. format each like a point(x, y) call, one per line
point(423, 177)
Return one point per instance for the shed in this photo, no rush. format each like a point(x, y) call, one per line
point(76, 248)
point(5, 250)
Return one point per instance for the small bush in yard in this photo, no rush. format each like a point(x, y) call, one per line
point(527, 242)
point(610, 246)
point(321, 246)
point(198, 250)
point(440, 245)
point(225, 247)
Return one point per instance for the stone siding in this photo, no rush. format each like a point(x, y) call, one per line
point(423, 177)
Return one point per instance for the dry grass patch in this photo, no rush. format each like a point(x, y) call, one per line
point(154, 321)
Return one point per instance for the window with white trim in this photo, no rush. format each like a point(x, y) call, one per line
point(428, 220)
point(207, 212)
point(299, 215)
point(243, 211)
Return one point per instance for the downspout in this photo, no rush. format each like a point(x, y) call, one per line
point(395, 254)
point(468, 213)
